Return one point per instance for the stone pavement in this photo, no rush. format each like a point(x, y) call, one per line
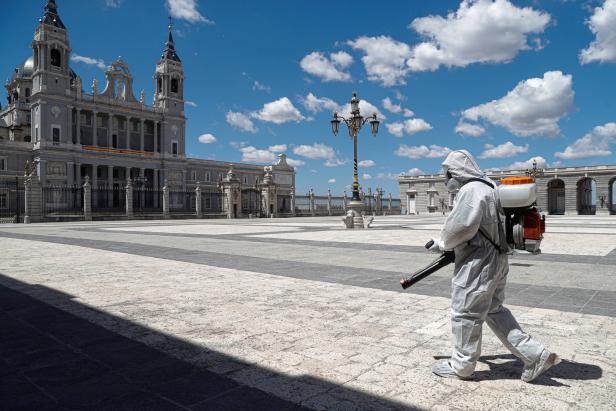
point(286, 313)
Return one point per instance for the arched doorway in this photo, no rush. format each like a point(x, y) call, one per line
point(612, 196)
point(586, 196)
point(556, 197)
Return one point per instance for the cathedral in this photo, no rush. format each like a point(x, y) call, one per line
point(65, 134)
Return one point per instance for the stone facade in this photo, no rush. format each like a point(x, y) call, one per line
point(569, 190)
point(107, 135)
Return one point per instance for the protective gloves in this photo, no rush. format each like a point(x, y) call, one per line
point(438, 246)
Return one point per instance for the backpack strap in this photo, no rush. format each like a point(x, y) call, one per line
point(498, 247)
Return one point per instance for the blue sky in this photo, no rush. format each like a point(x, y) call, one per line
point(507, 80)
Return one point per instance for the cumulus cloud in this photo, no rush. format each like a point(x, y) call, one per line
point(315, 152)
point(186, 10)
point(410, 126)
point(241, 121)
point(334, 162)
point(366, 176)
point(91, 61)
point(388, 176)
point(504, 150)
point(331, 181)
point(113, 3)
point(603, 25)
point(533, 107)
point(396, 108)
point(366, 163)
point(279, 112)
point(279, 148)
point(207, 138)
point(328, 69)
point(384, 58)
point(480, 31)
point(469, 129)
point(253, 155)
point(295, 163)
point(256, 86)
point(593, 144)
point(416, 152)
point(316, 104)
point(414, 172)
point(524, 165)
point(190, 103)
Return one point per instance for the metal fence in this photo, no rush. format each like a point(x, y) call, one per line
point(12, 202)
point(251, 202)
point(211, 201)
point(59, 201)
point(108, 199)
point(182, 201)
point(302, 205)
point(147, 200)
point(321, 205)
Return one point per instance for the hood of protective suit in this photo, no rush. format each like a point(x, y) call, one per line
point(462, 166)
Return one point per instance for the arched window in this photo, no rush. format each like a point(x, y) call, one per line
point(56, 58)
point(159, 85)
point(27, 92)
point(174, 85)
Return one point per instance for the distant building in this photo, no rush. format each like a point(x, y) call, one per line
point(567, 190)
point(109, 135)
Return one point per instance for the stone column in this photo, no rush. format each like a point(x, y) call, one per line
point(95, 128)
point(78, 128)
point(156, 187)
point(110, 130)
point(166, 213)
point(110, 186)
point(390, 203)
point(198, 209)
point(129, 199)
point(311, 202)
point(128, 146)
point(27, 199)
point(329, 202)
point(344, 201)
point(87, 200)
point(70, 124)
point(156, 136)
point(70, 173)
point(142, 135)
point(33, 200)
point(42, 171)
point(78, 174)
point(293, 201)
point(142, 188)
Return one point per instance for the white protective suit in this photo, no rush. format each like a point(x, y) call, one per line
point(478, 285)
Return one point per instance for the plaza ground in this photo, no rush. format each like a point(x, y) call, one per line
point(287, 314)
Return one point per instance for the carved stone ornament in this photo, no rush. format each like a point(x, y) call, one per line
point(55, 111)
point(56, 169)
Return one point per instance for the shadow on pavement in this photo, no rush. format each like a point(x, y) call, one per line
point(507, 366)
point(52, 359)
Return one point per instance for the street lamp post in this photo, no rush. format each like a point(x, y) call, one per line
point(535, 172)
point(354, 123)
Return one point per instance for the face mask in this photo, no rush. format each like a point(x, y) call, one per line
point(453, 185)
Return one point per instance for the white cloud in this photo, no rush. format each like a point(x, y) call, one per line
point(207, 138)
point(331, 181)
point(366, 163)
point(384, 58)
point(334, 162)
point(533, 107)
point(315, 152)
point(480, 31)
point(388, 176)
point(279, 112)
point(113, 3)
point(279, 148)
point(295, 163)
point(191, 103)
point(186, 10)
point(253, 155)
point(256, 86)
point(593, 144)
point(328, 69)
point(241, 121)
point(415, 172)
point(396, 108)
point(603, 24)
point(316, 104)
point(366, 176)
point(504, 150)
point(416, 152)
point(410, 126)
point(524, 165)
point(89, 61)
point(469, 129)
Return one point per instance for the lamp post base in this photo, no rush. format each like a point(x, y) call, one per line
point(354, 216)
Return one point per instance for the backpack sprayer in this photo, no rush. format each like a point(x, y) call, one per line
point(524, 225)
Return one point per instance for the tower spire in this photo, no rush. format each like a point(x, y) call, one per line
point(169, 51)
point(51, 15)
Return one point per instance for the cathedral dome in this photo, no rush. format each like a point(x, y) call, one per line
point(25, 69)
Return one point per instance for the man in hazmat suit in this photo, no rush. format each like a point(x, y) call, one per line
point(474, 231)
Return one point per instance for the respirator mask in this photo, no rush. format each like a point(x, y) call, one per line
point(452, 183)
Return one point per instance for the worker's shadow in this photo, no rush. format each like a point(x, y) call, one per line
point(507, 366)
